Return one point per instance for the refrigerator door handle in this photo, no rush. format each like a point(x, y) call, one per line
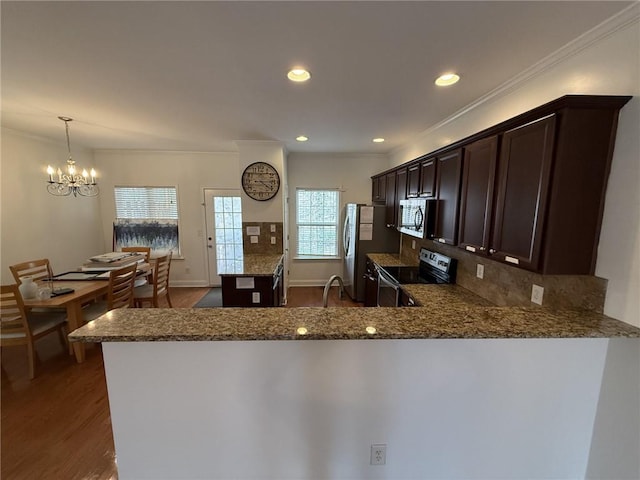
point(345, 236)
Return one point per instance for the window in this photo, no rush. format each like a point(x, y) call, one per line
point(146, 216)
point(317, 216)
point(227, 213)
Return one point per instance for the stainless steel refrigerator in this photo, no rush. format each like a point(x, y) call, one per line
point(364, 231)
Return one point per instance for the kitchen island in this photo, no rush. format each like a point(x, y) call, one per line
point(453, 389)
point(255, 282)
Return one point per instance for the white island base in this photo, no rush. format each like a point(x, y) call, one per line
point(445, 409)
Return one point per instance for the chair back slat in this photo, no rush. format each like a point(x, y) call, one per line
point(38, 269)
point(121, 282)
point(161, 275)
point(13, 320)
point(160, 282)
point(145, 250)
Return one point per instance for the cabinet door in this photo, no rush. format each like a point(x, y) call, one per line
point(448, 193)
point(370, 285)
point(401, 185)
point(428, 178)
point(413, 181)
point(476, 196)
point(390, 199)
point(523, 184)
point(378, 188)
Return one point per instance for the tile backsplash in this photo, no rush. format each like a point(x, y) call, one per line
point(263, 245)
point(505, 285)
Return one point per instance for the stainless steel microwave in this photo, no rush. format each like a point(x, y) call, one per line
point(416, 217)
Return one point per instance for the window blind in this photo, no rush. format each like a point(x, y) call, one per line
point(152, 203)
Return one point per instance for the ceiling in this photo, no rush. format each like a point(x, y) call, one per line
point(198, 76)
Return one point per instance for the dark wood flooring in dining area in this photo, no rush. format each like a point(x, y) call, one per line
point(57, 425)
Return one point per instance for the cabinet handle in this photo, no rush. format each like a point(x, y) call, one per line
point(482, 249)
point(491, 250)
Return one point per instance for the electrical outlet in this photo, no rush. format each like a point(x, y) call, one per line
point(413, 244)
point(537, 293)
point(273, 228)
point(378, 454)
point(273, 240)
point(480, 270)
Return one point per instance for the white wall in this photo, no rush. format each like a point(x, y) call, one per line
point(36, 224)
point(447, 409)
point(351, 174)
point(606, 61)
point(191, 173)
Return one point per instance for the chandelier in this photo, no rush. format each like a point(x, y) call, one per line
point(65, 183)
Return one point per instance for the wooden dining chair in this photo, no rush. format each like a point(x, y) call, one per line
point(119, 293)
point(145, 250)
point(38, 269)
point(18, 328)
point(152, 292)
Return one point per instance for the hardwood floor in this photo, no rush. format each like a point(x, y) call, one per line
point(58, 425)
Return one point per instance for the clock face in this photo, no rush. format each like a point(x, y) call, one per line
point(260, 181)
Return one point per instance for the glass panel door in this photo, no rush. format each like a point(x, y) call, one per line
point(224, 233)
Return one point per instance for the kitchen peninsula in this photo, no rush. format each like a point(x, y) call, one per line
point(453, 389)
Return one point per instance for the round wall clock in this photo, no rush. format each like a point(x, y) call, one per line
point(260, 181)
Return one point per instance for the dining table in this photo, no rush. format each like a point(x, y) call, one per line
point(83, 292)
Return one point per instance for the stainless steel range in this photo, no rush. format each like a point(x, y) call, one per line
point(434, 268)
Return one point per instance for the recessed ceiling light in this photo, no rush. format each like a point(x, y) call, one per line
point(302, 138)
point(298, 75)
point(378, 140)
point(447, 79)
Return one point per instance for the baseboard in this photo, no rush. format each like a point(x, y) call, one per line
point(188, 283)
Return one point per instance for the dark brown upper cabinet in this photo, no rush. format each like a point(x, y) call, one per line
point(390, 199)
point(428, 178)
point(476, 195)
point(523, 183)
point(401, 185)
point(448, 176)
point(378, 188)
point(413, 180)
point(549, 184)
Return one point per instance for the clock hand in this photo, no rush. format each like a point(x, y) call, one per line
point(265, 184)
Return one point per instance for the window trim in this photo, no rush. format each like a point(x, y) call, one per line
point(315, 258)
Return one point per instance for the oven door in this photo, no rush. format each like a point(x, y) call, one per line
point(388, 290)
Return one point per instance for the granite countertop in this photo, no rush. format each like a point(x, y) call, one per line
point(444, 311)
point(386, 259)
point(256, 266)
point(444, 296)
point(438, 319)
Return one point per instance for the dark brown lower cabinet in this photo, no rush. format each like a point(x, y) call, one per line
point(370, 285)
point(256, 291)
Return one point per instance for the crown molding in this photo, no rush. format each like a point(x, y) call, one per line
point(620, 21)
